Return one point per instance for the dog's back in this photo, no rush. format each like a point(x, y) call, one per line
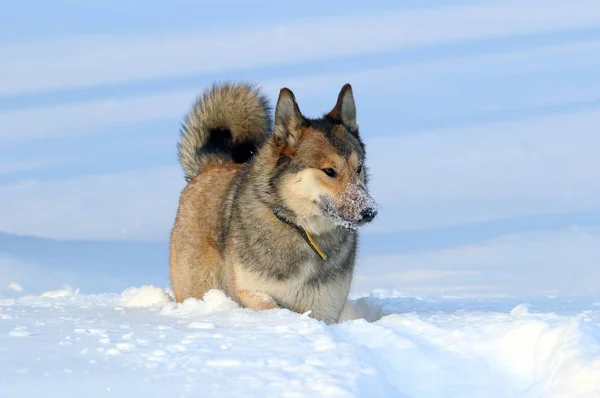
point(222, 131)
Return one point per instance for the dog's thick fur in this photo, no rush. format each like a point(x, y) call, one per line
point(257, 194)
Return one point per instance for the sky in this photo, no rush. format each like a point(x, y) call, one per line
point(481, 119)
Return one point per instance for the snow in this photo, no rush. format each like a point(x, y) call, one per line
point(144, 296)
point(65, 343)
point(511, 316)
point(480, 276)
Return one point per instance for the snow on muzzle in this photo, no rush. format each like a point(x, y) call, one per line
point(353, 208)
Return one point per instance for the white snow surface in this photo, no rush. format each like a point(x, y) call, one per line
point(141, 343)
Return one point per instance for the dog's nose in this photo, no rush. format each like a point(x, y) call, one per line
point(368, 214)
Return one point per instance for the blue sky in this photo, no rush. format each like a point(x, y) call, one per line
point(480, 118)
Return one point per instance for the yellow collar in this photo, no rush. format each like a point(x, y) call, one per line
point(311, 241)
point(305, 234)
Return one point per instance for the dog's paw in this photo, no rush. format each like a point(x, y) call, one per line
point(256, 301)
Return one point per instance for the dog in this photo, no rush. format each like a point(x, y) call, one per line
point(272, 207)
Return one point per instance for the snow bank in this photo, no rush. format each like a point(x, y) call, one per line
point(213, 301)
point(145, 296)
point(518, 352)
point(492, 353)
point(387, 346)
point(151, 296)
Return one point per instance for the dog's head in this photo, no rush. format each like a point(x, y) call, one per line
point(320, 172)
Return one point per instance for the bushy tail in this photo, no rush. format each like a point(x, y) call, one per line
point(228, 122)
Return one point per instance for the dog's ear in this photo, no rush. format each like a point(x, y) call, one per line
point(345, 109)
point(288, 119)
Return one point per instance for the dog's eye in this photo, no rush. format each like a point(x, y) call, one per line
point(359, 169)
point(329, 171)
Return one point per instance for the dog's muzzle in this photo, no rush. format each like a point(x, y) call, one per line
point(356, 208)
point(367, 215)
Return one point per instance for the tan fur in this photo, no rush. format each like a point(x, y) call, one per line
point(299, 193)
point(195, 233)
point(255, 300)
point(226, 233)
point(301, 190)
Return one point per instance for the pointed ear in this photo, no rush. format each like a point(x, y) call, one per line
point(345, 110)
point(287, 117)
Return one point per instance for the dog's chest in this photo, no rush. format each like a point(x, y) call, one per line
point(298, 288)
point(308, 277)
point(299, 279)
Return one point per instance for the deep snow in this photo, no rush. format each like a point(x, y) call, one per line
point(507, 317)
point(67, 344)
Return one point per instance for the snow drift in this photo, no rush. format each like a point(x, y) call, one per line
point(141, 342)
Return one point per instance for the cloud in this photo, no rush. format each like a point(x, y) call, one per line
point(131, 205)
point(557, 262)
point(8, 168)
point(96, 60)
point(66, 120)
point(79, 118)
point(489, 171)
point(437, 178)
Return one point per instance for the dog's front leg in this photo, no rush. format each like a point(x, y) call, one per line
point(256, 301)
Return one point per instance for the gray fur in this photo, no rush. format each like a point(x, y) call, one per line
point(245, 239)
point(238, 107)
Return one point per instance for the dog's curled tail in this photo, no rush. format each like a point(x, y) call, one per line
point(229, 121)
